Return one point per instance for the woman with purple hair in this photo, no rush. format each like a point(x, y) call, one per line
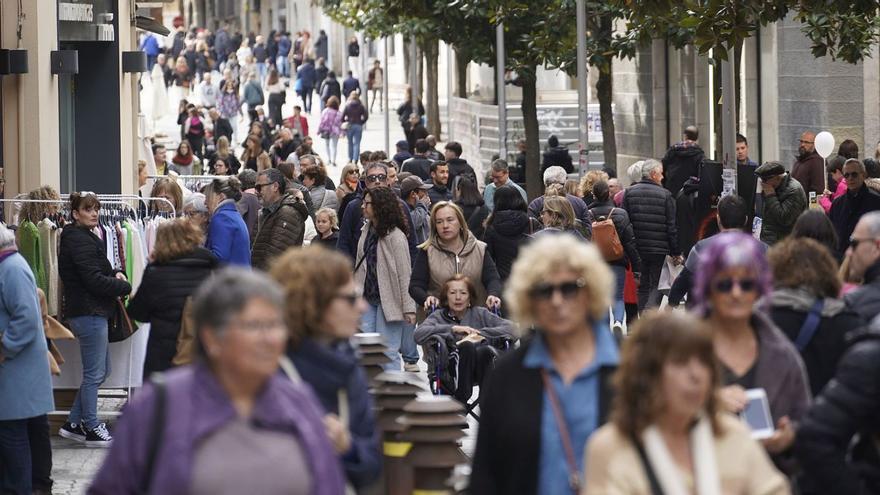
point(733, 276)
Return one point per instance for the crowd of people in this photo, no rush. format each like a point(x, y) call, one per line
point(548, 306)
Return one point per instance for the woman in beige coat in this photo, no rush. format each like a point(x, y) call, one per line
point(668, 432)
point(383, 270)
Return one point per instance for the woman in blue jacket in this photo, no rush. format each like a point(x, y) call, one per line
point(227, 233)
point(323, 310)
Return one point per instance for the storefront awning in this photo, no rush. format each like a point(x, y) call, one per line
point(149, 24)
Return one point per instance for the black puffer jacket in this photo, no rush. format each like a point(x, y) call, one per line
point(160, 300)
point(682, 161)
point(847, 209)
point(624, 228)
point(508, 230)
point(866, 299)
point(651, 210)
point(475, 216)
point(847, 408)
point(90, 283)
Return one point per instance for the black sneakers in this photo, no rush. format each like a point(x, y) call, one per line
point(73, 431)
point(98, 436)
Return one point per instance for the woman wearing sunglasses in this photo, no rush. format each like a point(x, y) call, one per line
point(733, 275)
point(543, 401)
point(323, 310)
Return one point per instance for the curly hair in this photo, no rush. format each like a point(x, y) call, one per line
point(176, 238)
point(34, 212)
point(801, 262)
point(387, 211)
point(657, 339)
point(590, 179)
point(311, 278)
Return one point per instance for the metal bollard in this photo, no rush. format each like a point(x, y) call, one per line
point(434, 426)
point(393, 390)
point(372, 351)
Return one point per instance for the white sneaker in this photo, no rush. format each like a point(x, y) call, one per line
point(411, 367)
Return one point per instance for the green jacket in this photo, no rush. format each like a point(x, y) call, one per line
point(29, 247)
point(782, 209)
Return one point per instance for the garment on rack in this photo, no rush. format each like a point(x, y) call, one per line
point(49, 254)
point(29, 247)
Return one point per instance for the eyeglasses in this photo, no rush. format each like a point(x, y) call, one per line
point(377, 178)
point(567, 289)
point(851, 175)
point(259, 187)
point(354, 172)
point(725, 285)
point(854, 241)
point(351, 298)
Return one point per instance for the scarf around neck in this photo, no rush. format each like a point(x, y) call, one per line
point(706, 478)
point(183, 160)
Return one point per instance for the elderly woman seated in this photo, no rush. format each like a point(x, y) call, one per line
point(462, 333)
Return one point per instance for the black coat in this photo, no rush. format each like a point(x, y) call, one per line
point(160, 300)
point(222, 127)
point(682, 161)
point(90, 283)
point(330, 87)
point(847, 209)
point(651, 210)
point(508, 448)
point(460, 168)
point(847, 407)
point(475, 215)
point(557, 156)
point(827, 345)
point(866, 299)
point(624, 228)
point(419, 166)
point(508, 231)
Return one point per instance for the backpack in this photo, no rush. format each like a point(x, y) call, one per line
point(606, 239)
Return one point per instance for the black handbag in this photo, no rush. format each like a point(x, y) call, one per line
point(119, 325)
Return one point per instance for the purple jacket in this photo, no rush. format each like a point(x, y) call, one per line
point(197, 406)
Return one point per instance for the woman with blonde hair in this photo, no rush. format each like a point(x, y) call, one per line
point(558, 217)
point(35, 212)
point(224, 151)
point(323, 311)
point(169, 190)
point(667, 429)
point(348, 181)
point(588, 181)
point(177, 266)
point(547, 396)
point(452, 249)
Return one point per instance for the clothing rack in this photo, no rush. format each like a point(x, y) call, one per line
point(190, 180)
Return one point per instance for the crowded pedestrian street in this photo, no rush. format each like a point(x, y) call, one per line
point(338, 247)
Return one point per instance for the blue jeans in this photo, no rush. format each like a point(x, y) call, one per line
point(307, 99)
point(354, 133)
point(261, 71)
point(91, 332)
point(408, 348)
point(15, 457)
point(283, 65)
point(619, 308)
point(374, 321)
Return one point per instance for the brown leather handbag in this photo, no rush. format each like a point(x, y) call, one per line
point(119, 325)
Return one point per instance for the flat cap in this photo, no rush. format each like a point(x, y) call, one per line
point(770, 169)
point(412, 183)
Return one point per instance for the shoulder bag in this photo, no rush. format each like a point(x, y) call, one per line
point(119, 325)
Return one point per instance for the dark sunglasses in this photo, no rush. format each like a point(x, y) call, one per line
point(259, 187)
point(851, 175)
point(351, 298)
point(377, 178)
point(725, 285)
point(567, 289)
point(854, 242)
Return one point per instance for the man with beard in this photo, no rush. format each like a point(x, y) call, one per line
point(809, 168)
point(439, 190)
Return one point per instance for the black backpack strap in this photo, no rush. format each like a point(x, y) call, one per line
point(649, 471)
point(157, 427)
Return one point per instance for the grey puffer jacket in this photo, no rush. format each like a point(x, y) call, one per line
point(440, 323)
point(651, 210)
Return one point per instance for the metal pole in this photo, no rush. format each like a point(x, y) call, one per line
point(386, 87)
point(583, 132)
point(728, 122)
point(502, 91)
point(450, 83)
point(414, 73)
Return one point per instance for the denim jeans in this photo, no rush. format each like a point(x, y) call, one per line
point(374, 321)
point(354, 133)
point(283, 65)
point(408, 348)
point(261, 71)
point(618, 309)
point(307, 99)
point(332, 144)
point(15, 457)
point(91, 332)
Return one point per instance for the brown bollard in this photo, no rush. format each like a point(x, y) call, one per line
point(392, 391)
point(372, 351)
point(434, 426)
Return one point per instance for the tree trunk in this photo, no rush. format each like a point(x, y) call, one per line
point(606, 96)
point(461, 64)
point(421, 73)
point(530, 122)
point(431, 50)
point(406, 61)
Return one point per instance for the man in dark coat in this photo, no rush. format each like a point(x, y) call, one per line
point(651, 210)
point(458, 167)
point(307, 74)
point(222, 127)
point(557, 156)
point(349, 85)
point(848, 208)
point(419, 164)
point(282, 219)
point(864, 264)
point(330, 87)
point(784, 201)
point(809, 168)
point(439, 190)
point(682, 161)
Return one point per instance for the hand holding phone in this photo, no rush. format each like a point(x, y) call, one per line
point(757, 414)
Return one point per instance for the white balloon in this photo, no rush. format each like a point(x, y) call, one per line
point(824, 144)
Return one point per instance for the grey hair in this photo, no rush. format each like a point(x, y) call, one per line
point(859, 164)
point(312, 158)
point(221, 297)
point(248, 178)
point(649, 167)
point(500, 165)
point(872, 223)
point(634, 172)
point(555, 175)
point(7, 237)
point(196, 201)
point(275, 176)
point(374, 165)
